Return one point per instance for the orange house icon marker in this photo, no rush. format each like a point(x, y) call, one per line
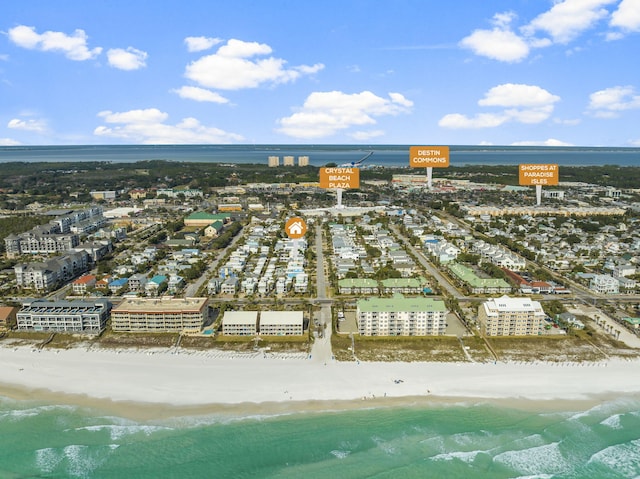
point(295, 228)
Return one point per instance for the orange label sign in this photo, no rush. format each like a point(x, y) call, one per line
point(295, 227)
point(429, 156)
point(532, 174)
point(344, 178)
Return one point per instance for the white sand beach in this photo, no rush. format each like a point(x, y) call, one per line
point(198, 379)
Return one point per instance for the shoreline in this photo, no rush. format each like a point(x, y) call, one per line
point(154, 385)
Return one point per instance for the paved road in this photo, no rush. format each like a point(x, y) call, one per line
point(192, 289)
point(321, 349)
point(608, 325)
point(433, 271)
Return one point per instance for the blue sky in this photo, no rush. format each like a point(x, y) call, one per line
point(416, 72)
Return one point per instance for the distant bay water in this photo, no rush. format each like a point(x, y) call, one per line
point(319, 155)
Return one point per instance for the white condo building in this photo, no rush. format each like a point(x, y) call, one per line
point(281, 323)
point(507, 316)
point(240, 323)
point(400, 316)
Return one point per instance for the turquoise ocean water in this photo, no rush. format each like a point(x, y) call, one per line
point(441, 441)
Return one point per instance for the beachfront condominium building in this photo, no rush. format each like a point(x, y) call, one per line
point(64, 316)
point(240, 323)
point(303, 161)
point(400, 316)
point(281, 323)
point(184, 315)
point(507, 316)
point(288, 161)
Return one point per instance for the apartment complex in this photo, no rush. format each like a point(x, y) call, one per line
point(186, 315)
point(64, 316)
point(47, 275)
point(40, 240)
point(59, 235)
point(269, 323)
point(400, 316)
point(281, 323)
point(240, 323)
point(507, 316)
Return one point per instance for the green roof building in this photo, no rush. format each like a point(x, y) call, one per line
point(476, 284)
point(358, 286)
point(403, 285)
point(202, 218)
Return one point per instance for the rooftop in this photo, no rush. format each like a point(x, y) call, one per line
point(161, 305)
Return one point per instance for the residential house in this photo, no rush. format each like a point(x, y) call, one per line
point(155, 284)
point(137, 282)
point(8, 316)
point(83, 283)
point(118, 285)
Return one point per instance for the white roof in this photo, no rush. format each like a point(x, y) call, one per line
point(505, 303)
point(120, 212)
point(281, 317)
point(240, 317)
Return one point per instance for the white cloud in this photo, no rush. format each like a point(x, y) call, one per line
point(148, 127)
point(482, 120)
point(612, 36)
point(563, 22)
point(627, 16)
point(9, 142)
point(150, 115)
point(530, 115)
point(568, 122)
point(634, 142)
point(567, 19)
point(608, 103)
point(498, 44)
point(504, 19)
point(129, 59)
point(198, 44)
point(27, 125)
point(234, 67)
point(4, 57)
point(200, 94)
point(549, 142)
point(326, 113)
point(522, 103)
point(518, 94)
point(73, 46)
